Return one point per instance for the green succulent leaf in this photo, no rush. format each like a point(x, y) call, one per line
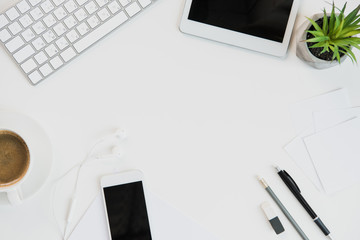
point(337, 33)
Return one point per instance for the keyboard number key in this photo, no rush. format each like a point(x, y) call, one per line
point(34, 2)
point(29, 65)
point(114, 7)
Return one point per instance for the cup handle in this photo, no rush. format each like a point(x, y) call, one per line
point(15, 196)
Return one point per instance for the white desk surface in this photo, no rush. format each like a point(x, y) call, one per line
point(203, 120)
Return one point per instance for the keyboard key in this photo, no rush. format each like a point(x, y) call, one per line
point(58, 2)
point(72, 36)
point(68, 54)
point(133, 9)
point(60, 13)
point(56, 62)
point(102, 3)
point(47, 6)
point(81, 2)
point(14, 44)
point(60, 29)
point(12, 14)
point(23, 6)
point(38, 43)
point(51, 50)
point(49, 20)
point(3, 21)
point(39, 27)
point(114, 7)
point(70, 22)
point(4, 35)
point(28, 35)
point(101, 31)
point(35, 77)
point(24, 53)
point(83, 28)
point(41, 57)
point(144, 3)
point(46, 70)
point(15, 28)
point(91, 7)
point(62, 43)
point(103, 14)
point(36, 13)
point(70, 6)
point(125, 2)
point(29, 65)
point(80, 15)
point(49, 36)
point(93, 21)
point(34, 2)
point(25, 21)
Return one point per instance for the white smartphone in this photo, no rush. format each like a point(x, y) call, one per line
point(126, 208)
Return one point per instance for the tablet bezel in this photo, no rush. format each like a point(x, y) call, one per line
point(238, 39)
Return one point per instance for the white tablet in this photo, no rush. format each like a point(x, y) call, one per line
point(260, 25)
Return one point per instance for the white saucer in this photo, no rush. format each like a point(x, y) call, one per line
point(41, 151)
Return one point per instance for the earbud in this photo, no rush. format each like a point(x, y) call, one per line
point(116, 152)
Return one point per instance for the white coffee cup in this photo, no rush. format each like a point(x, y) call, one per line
point(15, 164)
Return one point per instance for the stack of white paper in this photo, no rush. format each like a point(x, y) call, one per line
point(327, 146)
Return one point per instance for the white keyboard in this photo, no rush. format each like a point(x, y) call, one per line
point(43, 35)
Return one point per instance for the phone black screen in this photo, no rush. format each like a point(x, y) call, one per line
point(127, 213)
point(261, 18)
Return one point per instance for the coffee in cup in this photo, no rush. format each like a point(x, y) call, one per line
point(14, 159)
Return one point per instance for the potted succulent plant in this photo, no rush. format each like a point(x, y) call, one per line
point(326, 39)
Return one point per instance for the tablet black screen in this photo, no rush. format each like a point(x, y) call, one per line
point(260, 18)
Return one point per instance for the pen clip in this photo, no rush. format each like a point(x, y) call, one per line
point(295, 186)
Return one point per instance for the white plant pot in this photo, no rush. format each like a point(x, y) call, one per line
point(302, 50)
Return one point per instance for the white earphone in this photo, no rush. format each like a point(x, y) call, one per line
point(116, 152)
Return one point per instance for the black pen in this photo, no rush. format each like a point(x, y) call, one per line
point(290, 183)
